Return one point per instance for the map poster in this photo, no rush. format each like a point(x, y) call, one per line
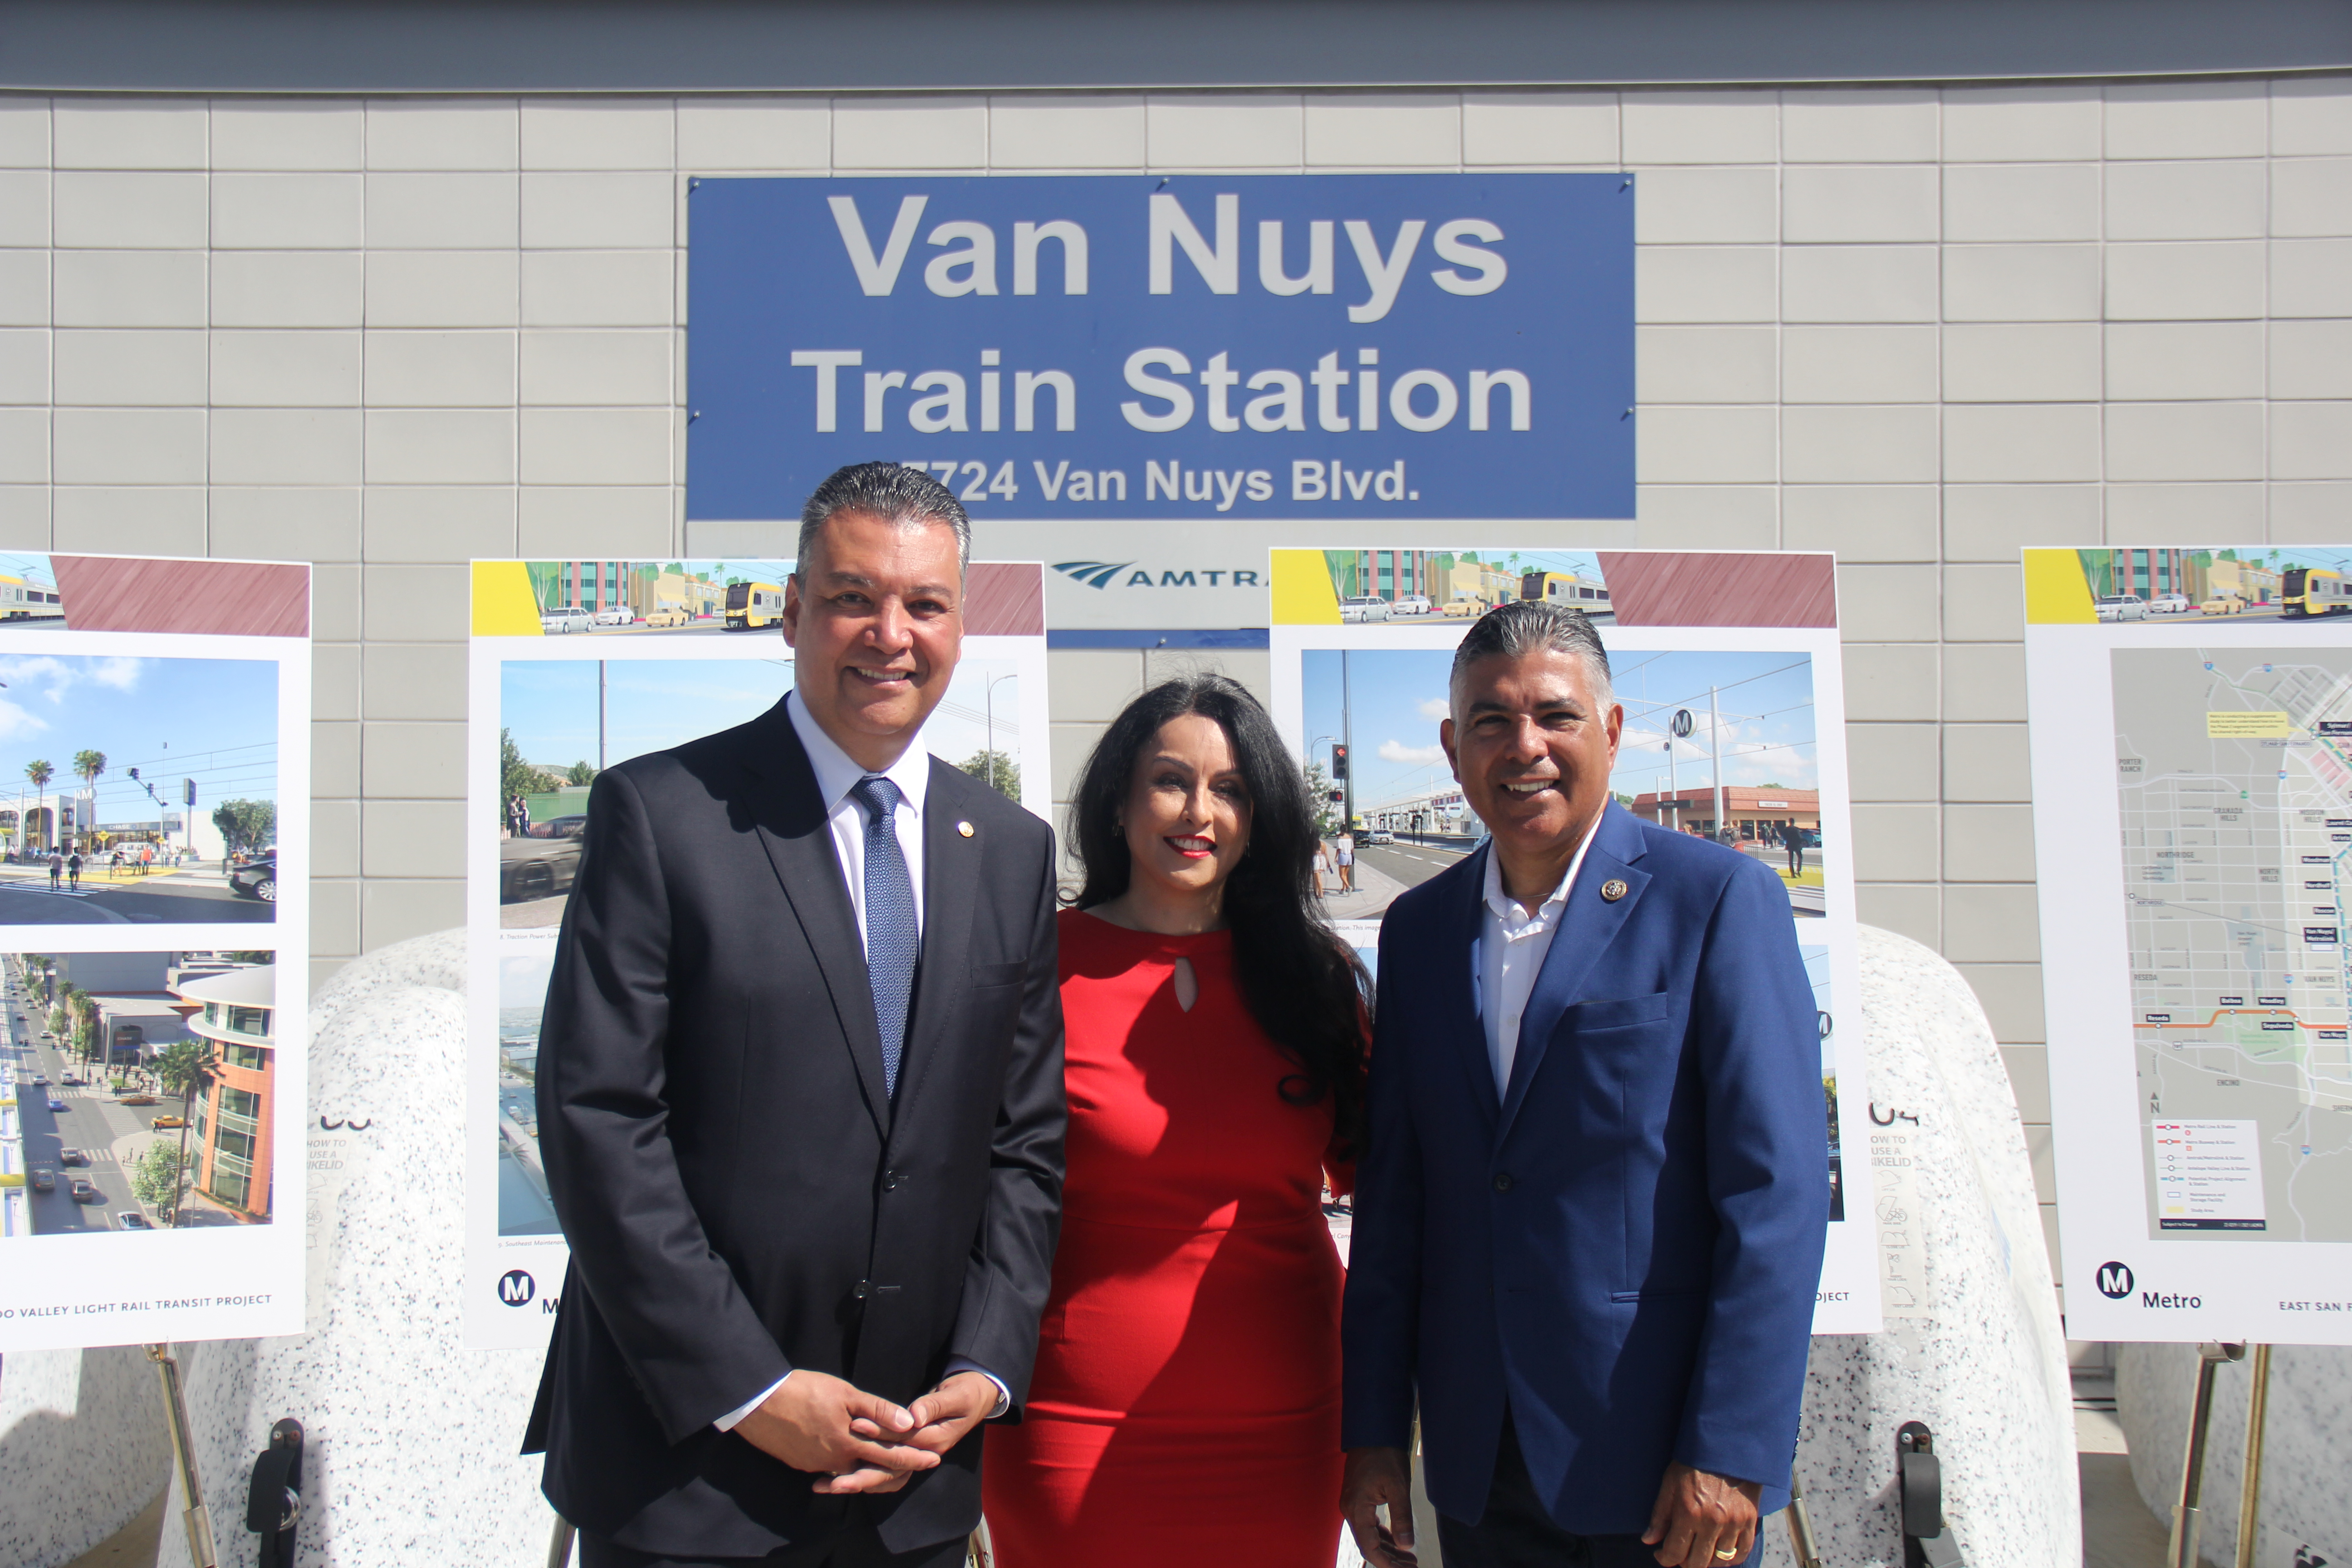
point(2190, 714)
point(578, 666)
point(155, 971)
point(1727, 669)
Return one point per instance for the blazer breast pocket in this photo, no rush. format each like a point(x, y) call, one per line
point(984, 975)
point(1593, 1017)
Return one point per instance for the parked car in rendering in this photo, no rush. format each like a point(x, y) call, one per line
point(2170, 604)
point(668, 615)
point(165, 1124)
point(56, 1104)
point(1363, 607)
point(257, 881)
point(131, 1219)
point(72, 1157)
point(85, 1191)
point(563, 618)
point(44, 1179)
point(2222, 604)
point(1376, 836)
point(135, 1100)
point(2120, 608)
point(614, 616)
point(1412, 604)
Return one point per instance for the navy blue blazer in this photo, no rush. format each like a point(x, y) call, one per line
point(1624, 1247)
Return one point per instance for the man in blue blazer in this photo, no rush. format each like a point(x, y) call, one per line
point(1591, 1214)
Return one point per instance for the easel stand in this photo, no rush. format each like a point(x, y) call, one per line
point(2188, 1515)
point(192, 1492)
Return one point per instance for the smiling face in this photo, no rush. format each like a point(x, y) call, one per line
point(875, 617)
point(1533, 750)
point(1186, 818)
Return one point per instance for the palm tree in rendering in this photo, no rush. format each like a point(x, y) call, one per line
point(89, 764)
point(184, 1068)
point(40, 774)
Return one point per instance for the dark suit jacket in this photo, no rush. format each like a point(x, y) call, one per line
point(1623, 1249)
point(739, 1196)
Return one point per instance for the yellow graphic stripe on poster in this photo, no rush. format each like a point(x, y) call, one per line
point(2056, 593)
point(504, 605)
point(2248, 726)
point(1303, 594)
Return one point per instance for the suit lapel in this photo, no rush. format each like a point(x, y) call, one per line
point(790, 819)
point(952, 865)
point(1466, 918)
point(1588, 924)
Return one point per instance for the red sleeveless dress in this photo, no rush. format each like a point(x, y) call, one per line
point(1188, 1365)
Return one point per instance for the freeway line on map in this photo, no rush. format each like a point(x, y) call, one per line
point(2222, 1012)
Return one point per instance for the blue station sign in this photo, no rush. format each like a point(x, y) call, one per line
point(1338, 346)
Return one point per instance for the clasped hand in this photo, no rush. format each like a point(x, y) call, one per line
point(859, 1442)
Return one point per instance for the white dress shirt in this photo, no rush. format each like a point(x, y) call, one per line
point(837, 773)
point(1509, 953)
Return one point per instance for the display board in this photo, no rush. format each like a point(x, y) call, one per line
point(576, 667)
point(1727, 668)
point(155, 961)
point(2190, 715)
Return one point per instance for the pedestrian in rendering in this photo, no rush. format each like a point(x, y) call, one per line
point(73, 871)
point(1793, 837)
point(1345, 849)
point(1322, 864)
point(1592, 1209)
point(56, 868)
point(1216, 1035)
point(780, 1346)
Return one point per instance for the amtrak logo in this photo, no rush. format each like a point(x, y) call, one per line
point(1094, 573)
point(1107, 574)
point(2115, 1281)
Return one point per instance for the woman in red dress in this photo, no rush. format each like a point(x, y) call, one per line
point(1188, 1365)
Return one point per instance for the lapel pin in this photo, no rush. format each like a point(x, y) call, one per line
point(1611, 890)
point(964, 828)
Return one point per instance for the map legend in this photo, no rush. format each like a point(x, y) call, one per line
point(2208, 1174)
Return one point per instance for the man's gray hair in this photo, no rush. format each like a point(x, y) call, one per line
point(906, 497)
point(1526, 626)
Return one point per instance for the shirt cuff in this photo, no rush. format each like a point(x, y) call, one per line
point(728, 1421)
point(1003, 1394)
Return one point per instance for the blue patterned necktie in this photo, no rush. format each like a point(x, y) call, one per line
point(893, 941)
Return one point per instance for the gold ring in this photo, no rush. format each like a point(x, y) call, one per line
point(1725, 1556)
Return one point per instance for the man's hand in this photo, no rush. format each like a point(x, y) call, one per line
point(1374, 1477)
point(853, 1440)
point(940, 1418)
point(945, 1416)
point(1702, 1521)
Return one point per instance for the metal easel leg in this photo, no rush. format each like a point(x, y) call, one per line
point(2250, 1486)
point(559, 1545)
point(199, 1523)
point(2187, 1514)
point(1802, 1543)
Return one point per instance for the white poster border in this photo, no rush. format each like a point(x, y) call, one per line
point(211, 1283)
point(1847, 1301)
point(2176, 1291)
point(498, 1311)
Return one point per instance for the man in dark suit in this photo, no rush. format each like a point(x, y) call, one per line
point(1591, 1215)
point(800, 1097)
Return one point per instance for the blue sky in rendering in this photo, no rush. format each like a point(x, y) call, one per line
point(1765, 700)
point(651, 705)
point(211, 720)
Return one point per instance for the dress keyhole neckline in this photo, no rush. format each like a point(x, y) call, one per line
point(1188, 983)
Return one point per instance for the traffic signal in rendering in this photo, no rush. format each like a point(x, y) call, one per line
point(1338, 761)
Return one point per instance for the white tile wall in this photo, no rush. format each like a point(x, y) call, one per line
point(1921, 328)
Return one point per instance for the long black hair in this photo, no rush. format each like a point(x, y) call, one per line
point(1303, 986)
